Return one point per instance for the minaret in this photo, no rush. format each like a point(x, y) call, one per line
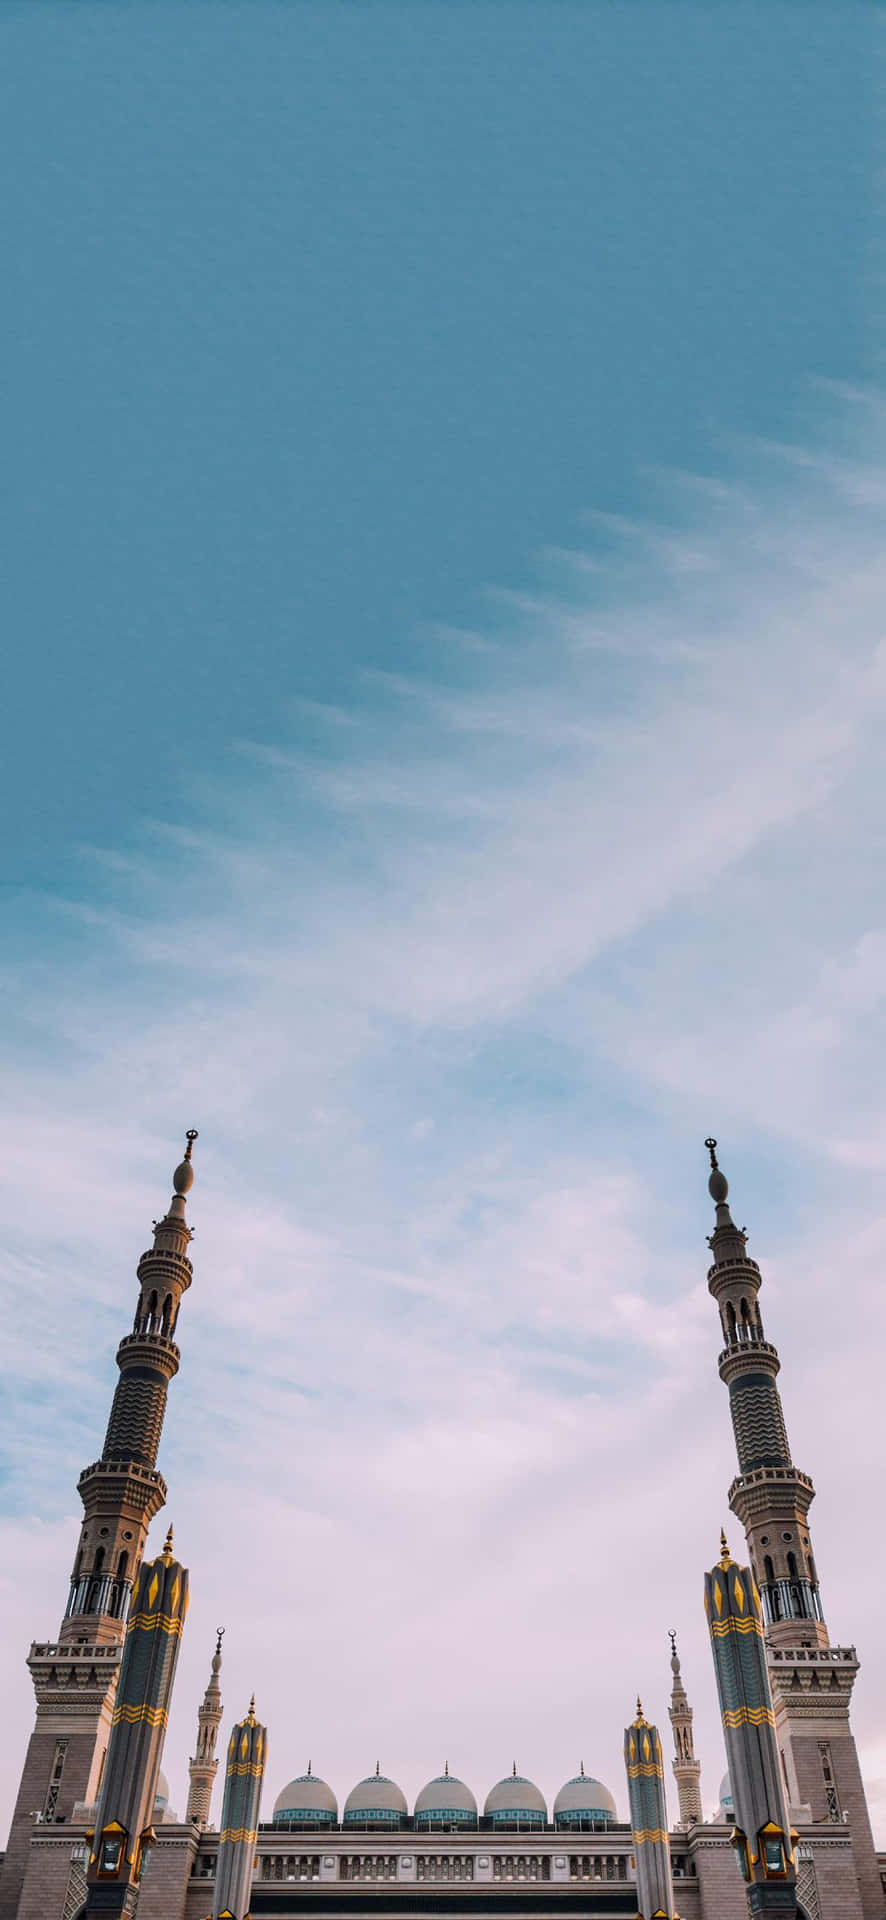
point(687, 1770)
point(123, 1491)
point(811, 1680)
point(123, 1830)
point(247, 1757)
point(204, 1765)
point(762, 1837)
point(770, 1496)
point(75, 1677)
point(644, 1766)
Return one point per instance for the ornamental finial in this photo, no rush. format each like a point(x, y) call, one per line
point(711, 1145)
point(726, 1560)
point(167, 1548)
point(190, 1136)
point(251, 1714)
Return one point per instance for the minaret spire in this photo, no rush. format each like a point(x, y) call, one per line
point(204, 1765)
point(770, 1496)
point(687, 1770)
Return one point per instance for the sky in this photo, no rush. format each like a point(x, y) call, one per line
point(443, 556)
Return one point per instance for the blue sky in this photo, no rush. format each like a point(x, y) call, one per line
point(442, 538)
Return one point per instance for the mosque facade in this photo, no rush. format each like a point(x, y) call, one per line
point(92, 1831)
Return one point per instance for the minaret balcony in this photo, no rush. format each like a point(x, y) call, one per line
point(156, 1347)
point(745, 1354)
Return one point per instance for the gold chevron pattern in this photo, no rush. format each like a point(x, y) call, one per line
point(155, 1622)
point(239, 1835)
point(647, 1835)
point(245, 1766)
point(731, 1625)
point(640, 1772)
point(749, 1717)
point(141, 1715)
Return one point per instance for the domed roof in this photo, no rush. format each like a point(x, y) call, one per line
point(584, 1798)
point(446, 1801)
point(515, 1798)
point(726, 1799)
point(308, 1799)
point(375, 1799)
point(161, 1796)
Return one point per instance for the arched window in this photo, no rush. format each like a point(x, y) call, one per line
point(99, 1560)
point(122, 1565)
point(792, 1566)
point(730, 1315)
point(167, 1315)
point(759, 1324)
point(152, 1312)
point(746, 1330)
point(768, 1567)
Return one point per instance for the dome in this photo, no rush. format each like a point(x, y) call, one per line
point(584, 1801)
point(727, 1804)
point(307, 1801)
point(516, 1802)
point(375, 1802)
point(446, 1802)
point(161, 1796)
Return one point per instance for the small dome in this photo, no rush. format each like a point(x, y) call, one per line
point(375, 1802)
point(446, 1802)
point(515, 1801)
point(306, 1800)
point(161, 1797)
point(584, 1801)
point(726, 1801)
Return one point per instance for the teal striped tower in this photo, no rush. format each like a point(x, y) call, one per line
point(138, 1727)
point(244, 1772)
point(649, 1820)
point(762, 1835)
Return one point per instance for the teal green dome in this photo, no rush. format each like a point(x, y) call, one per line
point(584, 1802)
point(445, 1802)
point(375, 1802)
point(307, 1802)
point(516, 1802)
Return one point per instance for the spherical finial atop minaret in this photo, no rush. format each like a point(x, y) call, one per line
point(718, 1185)
point(183, 1177)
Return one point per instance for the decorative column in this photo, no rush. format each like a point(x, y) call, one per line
point(247, 1755)
point(147, 1671)
point(687, 1770)
point(204, 1765)
point(762, 1836)
point(649, 1820)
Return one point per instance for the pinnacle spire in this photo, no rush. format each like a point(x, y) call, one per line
point(687, 1770)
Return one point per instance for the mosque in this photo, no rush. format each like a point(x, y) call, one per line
point(93, 1833)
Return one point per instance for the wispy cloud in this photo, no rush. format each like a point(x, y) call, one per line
point(454, 978)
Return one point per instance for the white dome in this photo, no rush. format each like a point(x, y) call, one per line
point(516, 1801)
point(446, 1802)
point(584, 1798)
point(376, 1801)
point(161, 1796)
point(308, 1800)
point(726, 1801)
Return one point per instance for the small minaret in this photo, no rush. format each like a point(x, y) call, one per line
point(644, 1766)
point(247, 1755)
point(762, 1837)
point(150, 1654)
point(687, 1770)
point(204, 1765)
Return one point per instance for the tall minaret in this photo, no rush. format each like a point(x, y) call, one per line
point(811, 1680)
point(770, 1496)
point(687, 1770)
point(75, 1677)
point(204, 1765)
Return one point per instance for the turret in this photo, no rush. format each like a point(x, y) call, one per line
point(762, 1837)
point(123, 1828)
point(644, 1766)
point(687, 1770)
point(244, 1772)
point(204, 1765)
